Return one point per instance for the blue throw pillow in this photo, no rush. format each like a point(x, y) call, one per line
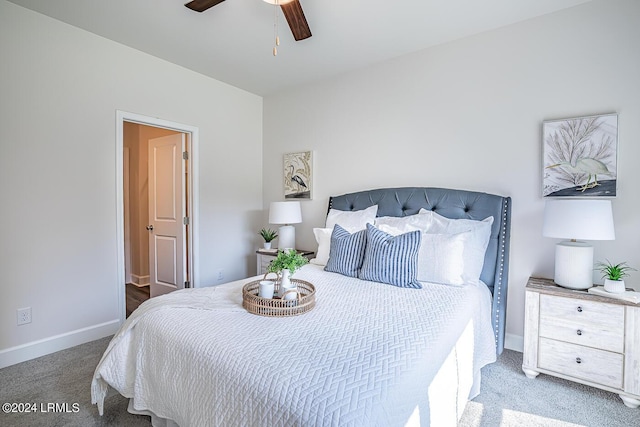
point(391, 259)
point(346, 251)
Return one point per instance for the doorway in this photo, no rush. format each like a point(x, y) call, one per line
point(157, 193)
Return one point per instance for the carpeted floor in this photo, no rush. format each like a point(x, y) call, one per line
point(64, 378)
point(508, 398)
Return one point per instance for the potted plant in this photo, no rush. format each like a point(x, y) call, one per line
point(613, 275)
point(268, 235)
point(285, 264)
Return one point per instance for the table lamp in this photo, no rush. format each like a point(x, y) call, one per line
point(285, 213)
point(577, 219)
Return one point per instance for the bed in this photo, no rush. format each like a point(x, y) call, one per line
point(368, 354)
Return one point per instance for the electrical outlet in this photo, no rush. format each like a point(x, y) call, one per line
point(220, 275)
point(24, 315)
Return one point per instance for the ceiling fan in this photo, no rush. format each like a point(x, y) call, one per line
point(291, 9)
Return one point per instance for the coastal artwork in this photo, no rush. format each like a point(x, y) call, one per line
point(298, 175)
point(580, 156)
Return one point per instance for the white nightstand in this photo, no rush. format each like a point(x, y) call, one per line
point(584, 338)
point(265, 256)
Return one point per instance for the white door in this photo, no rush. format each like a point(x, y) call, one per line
point(167, 254)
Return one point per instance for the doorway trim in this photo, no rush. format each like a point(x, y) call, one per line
point(192, 197)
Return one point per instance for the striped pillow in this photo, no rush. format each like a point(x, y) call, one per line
point(391, 259)
point(346, 251)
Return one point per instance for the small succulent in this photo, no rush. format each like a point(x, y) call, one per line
point(287, 260)
point(268, 234)
point(613, 271)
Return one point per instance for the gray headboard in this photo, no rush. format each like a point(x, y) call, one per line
point(453, 204)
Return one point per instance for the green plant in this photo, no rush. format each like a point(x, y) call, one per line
point(613, 271)
point(287, 260)
point(268, 234)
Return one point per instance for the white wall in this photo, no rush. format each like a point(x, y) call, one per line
point(468, 115)
point(60, 88)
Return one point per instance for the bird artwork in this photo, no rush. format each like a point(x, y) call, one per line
point(580, 156)
point(589, 166)
point(298, 175)
point(297, 179)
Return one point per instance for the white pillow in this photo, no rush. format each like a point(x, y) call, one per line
point(440, 257)
point(475, 247)
point(323, 237)
point(352, 221)
point(420, 221)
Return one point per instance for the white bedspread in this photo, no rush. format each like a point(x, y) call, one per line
point(364, 356)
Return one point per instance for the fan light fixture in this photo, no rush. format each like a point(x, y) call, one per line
point(275, 4)
point(291, 8)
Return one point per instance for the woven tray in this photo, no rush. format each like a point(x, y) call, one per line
point(276, 307)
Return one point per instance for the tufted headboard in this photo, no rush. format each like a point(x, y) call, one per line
point(453, 204)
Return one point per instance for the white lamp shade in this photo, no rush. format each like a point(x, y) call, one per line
point(285, 213)
point(578, 219)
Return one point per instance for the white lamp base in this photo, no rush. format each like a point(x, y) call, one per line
point(286, 237)
point(574, 265)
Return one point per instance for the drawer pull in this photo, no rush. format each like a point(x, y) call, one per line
point(578, 360)
point(579, 332)
point(579, 309)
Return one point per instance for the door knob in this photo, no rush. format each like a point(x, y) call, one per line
point(150, 227)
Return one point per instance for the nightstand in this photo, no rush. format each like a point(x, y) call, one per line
point(581, 337)
point(265, 256)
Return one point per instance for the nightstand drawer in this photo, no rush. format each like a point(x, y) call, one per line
point(265, 261)
point(598, 366)
point(582, 322)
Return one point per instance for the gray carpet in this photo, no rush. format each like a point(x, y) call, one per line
point(508, 398)
point(63, 377)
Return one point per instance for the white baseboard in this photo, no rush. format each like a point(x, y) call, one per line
point(140, 280)
point(514, 342)
point(28, 351)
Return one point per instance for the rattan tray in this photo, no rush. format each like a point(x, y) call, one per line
point(276, 307)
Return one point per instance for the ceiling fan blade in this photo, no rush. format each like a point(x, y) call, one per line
point(202, 5)
point(297, 22)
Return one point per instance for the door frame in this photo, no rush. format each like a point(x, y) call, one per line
point(191, 193)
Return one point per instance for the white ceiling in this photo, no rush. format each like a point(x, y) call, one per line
point(232, 42)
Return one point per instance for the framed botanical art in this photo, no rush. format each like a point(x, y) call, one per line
point(298, 175)
point(580, 156)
